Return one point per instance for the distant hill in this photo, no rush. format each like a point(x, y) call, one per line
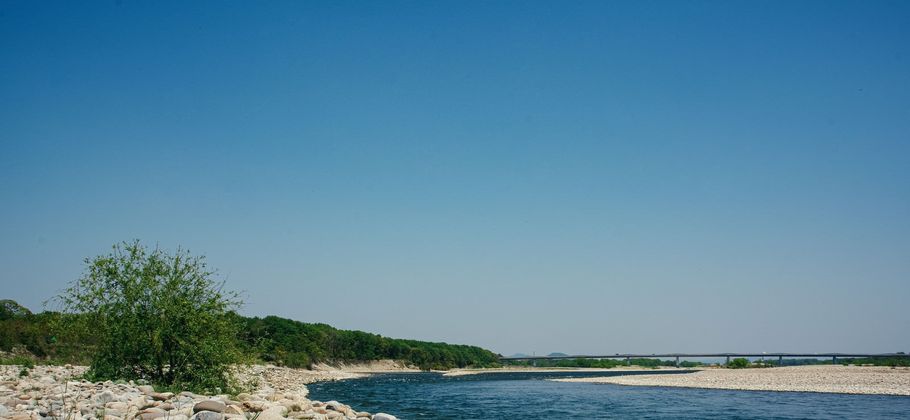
point(519, 355)
point(557, 355)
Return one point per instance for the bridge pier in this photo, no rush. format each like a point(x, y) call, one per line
point(728, 360)
point(833, 360)
point(780, 361)
point(677, 361)
point(628, 361)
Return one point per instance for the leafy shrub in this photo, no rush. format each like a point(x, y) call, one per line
point(9, 309)
point(155, 316)
point(738, 363)
point(19, 360)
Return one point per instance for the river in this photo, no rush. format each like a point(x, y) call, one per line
point(530, 395)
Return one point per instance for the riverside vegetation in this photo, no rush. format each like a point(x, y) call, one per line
point(157, 332)
point(145, 314)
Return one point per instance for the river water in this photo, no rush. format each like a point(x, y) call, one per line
point(530, 395)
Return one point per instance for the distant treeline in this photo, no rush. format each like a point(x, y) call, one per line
point(736, 363)
point(20, 329)
point(602, 363)
point(298, 344)
point(271, 339)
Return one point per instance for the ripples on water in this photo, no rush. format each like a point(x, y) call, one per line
point(529, 395)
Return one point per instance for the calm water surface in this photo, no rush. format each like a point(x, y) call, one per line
point(529, 395)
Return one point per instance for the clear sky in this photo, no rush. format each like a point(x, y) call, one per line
point(525, 176)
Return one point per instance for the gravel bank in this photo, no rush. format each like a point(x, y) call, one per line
point(833, 379)
point(55, 392)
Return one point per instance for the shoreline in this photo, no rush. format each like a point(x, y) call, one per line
point(862, 380)
point(271, 393)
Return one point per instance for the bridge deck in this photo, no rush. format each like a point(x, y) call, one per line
point(708, 355)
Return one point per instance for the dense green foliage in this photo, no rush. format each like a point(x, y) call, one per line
point(271, 339)
point(297, 344)
point(154, 316)
point(739, 363)
point(10, 309)
point(41, 336)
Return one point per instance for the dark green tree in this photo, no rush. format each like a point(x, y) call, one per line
point(739, 363)
point(156, 316)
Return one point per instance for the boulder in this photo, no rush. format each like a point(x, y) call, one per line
point(209, 405)
point(272, 413)
point(151, 414)
point(233, 409)
point(139, 402)
point(115, 413)
point(255, 406)
point(146, 389)
point(117, 405)
point(105, 397)
point(155, 410)
point(161, 396)
point(208, 415)
point(383, 416)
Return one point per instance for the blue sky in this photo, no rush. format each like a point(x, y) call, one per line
point(524, 176)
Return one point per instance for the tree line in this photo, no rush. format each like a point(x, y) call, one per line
point(298, 344)
point(141, 313)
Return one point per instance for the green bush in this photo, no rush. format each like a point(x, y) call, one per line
point(738, 363)
point(23, 361)
point(155, 316)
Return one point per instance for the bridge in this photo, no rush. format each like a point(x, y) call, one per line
point(780, 356)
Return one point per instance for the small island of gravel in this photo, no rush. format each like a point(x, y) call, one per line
point(822, 378)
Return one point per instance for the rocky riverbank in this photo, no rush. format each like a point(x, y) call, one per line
point(826, 378)
point(56, 392)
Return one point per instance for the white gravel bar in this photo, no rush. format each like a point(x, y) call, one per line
point(825, 378)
